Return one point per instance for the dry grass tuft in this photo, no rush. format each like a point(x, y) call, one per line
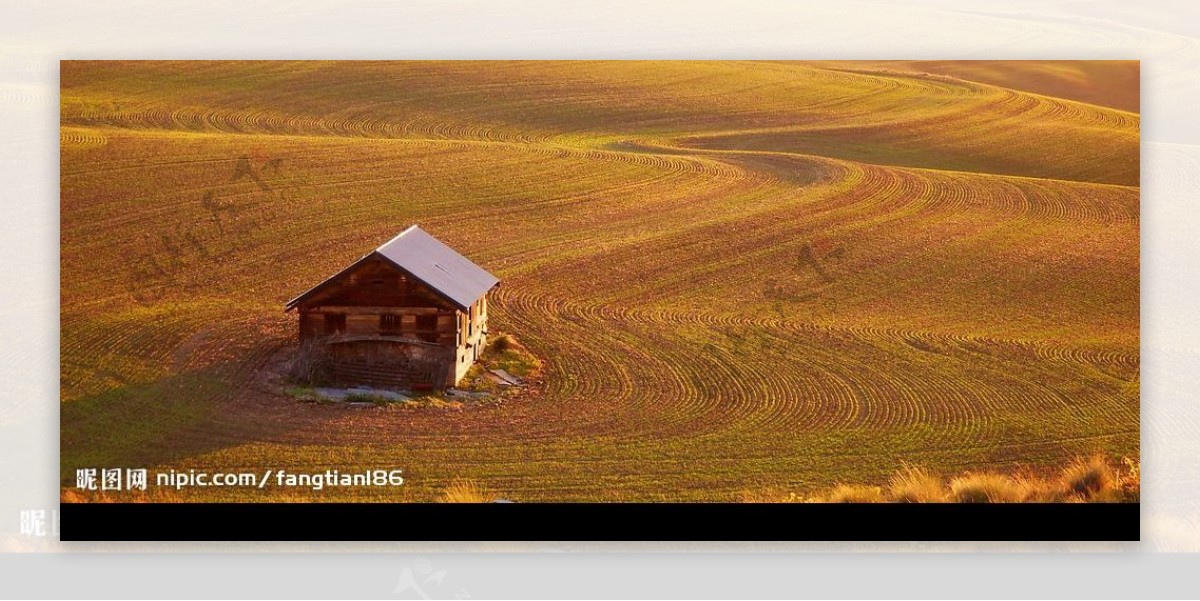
point(1131, 480)
point(1086, 480)
point(854, 493)
point(1090, 478)
point(1039, 490)
point(986, 488)
point(466, 491)
point(916, 485)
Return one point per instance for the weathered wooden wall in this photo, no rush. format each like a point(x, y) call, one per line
point(387, 326)
point(390, 363)
point(472, 337)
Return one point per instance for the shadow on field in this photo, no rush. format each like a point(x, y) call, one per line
point(143, 425)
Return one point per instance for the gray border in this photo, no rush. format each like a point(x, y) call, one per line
point(1162, 33)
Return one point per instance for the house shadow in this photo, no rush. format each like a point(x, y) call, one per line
point(143, 425)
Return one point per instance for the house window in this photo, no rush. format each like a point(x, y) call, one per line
point(427, 327)
point(389, 324)
point(335, 323)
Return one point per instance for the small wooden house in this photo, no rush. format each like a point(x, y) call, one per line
point(411, 313)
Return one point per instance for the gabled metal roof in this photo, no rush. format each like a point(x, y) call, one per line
point(427, 259)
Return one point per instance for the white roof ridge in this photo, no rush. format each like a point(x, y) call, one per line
point(430, 261)
point(397, 236)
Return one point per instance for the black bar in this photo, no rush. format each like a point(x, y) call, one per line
point(599, 522)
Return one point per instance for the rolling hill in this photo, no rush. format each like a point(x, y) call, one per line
point(738, 274)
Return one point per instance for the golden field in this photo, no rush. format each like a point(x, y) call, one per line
point(738, 275)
